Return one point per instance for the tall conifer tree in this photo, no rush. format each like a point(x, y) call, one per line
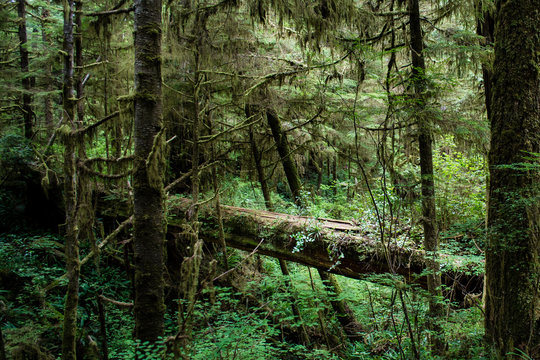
point(513, 251)
point(149, 221)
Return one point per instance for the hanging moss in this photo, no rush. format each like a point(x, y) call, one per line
point(155, 162)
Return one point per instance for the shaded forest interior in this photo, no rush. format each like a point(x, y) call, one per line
point(327, 179)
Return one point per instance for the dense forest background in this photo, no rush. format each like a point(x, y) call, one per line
point(169, 172)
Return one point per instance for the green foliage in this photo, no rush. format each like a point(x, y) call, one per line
point(460, 184)
point(309, 234)
point(233, 327)
point(131, 349)
point(239, 192)
point(15, 153)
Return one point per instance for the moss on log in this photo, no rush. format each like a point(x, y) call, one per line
point(336, 246)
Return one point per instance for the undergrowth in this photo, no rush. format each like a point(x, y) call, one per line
point(254, 319)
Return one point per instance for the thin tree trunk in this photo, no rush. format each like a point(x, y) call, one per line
point(513, 247)
point(218, 203)
point(334, 174)
point(344, 313)
point(295, 186)
point(25, 62)
point(2, 346)
point(149, 219)
point(485, 26)
point(70, 194)
point(48, 109)
point(257, 156)
point(304, 337)
point(250, 111)
point(429, 216)
point(317, 164)
point(289, 166)
point(102, 328)
point(190, 267)
point(79, 87)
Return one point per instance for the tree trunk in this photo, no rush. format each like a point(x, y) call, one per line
point(344, 313)
point(70, 193)
point(295, 185)
point(149, 220)
point(257, 156)
point(429, 216)
point(513, 249)
point(316, 161)
point(48, 109)
point(79, 86)
point(291, 172)
point(485, 26)
point(358, 252)
point(26, 80)
point(102, 329)
point(2, 346)
point(334, 174)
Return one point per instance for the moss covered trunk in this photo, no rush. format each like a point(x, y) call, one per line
point(512, 254)
point(71, 236)
point(149, 221)
point(338, 247)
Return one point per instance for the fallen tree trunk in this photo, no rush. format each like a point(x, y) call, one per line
point(336, 246)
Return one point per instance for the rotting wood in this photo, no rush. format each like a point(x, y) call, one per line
point(336, 246)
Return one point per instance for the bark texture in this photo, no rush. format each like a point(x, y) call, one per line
point(149, 222)
point(512, 254)
point(71, 236)
point(48, 108)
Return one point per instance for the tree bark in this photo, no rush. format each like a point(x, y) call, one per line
point(70, 193)
point(291, 172)
point(25, 62)
point(513, 249)
point(429, 215)
point(102, 328)
point(485, 26)
point(149, 220)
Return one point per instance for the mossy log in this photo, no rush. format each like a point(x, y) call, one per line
point(336, 246)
